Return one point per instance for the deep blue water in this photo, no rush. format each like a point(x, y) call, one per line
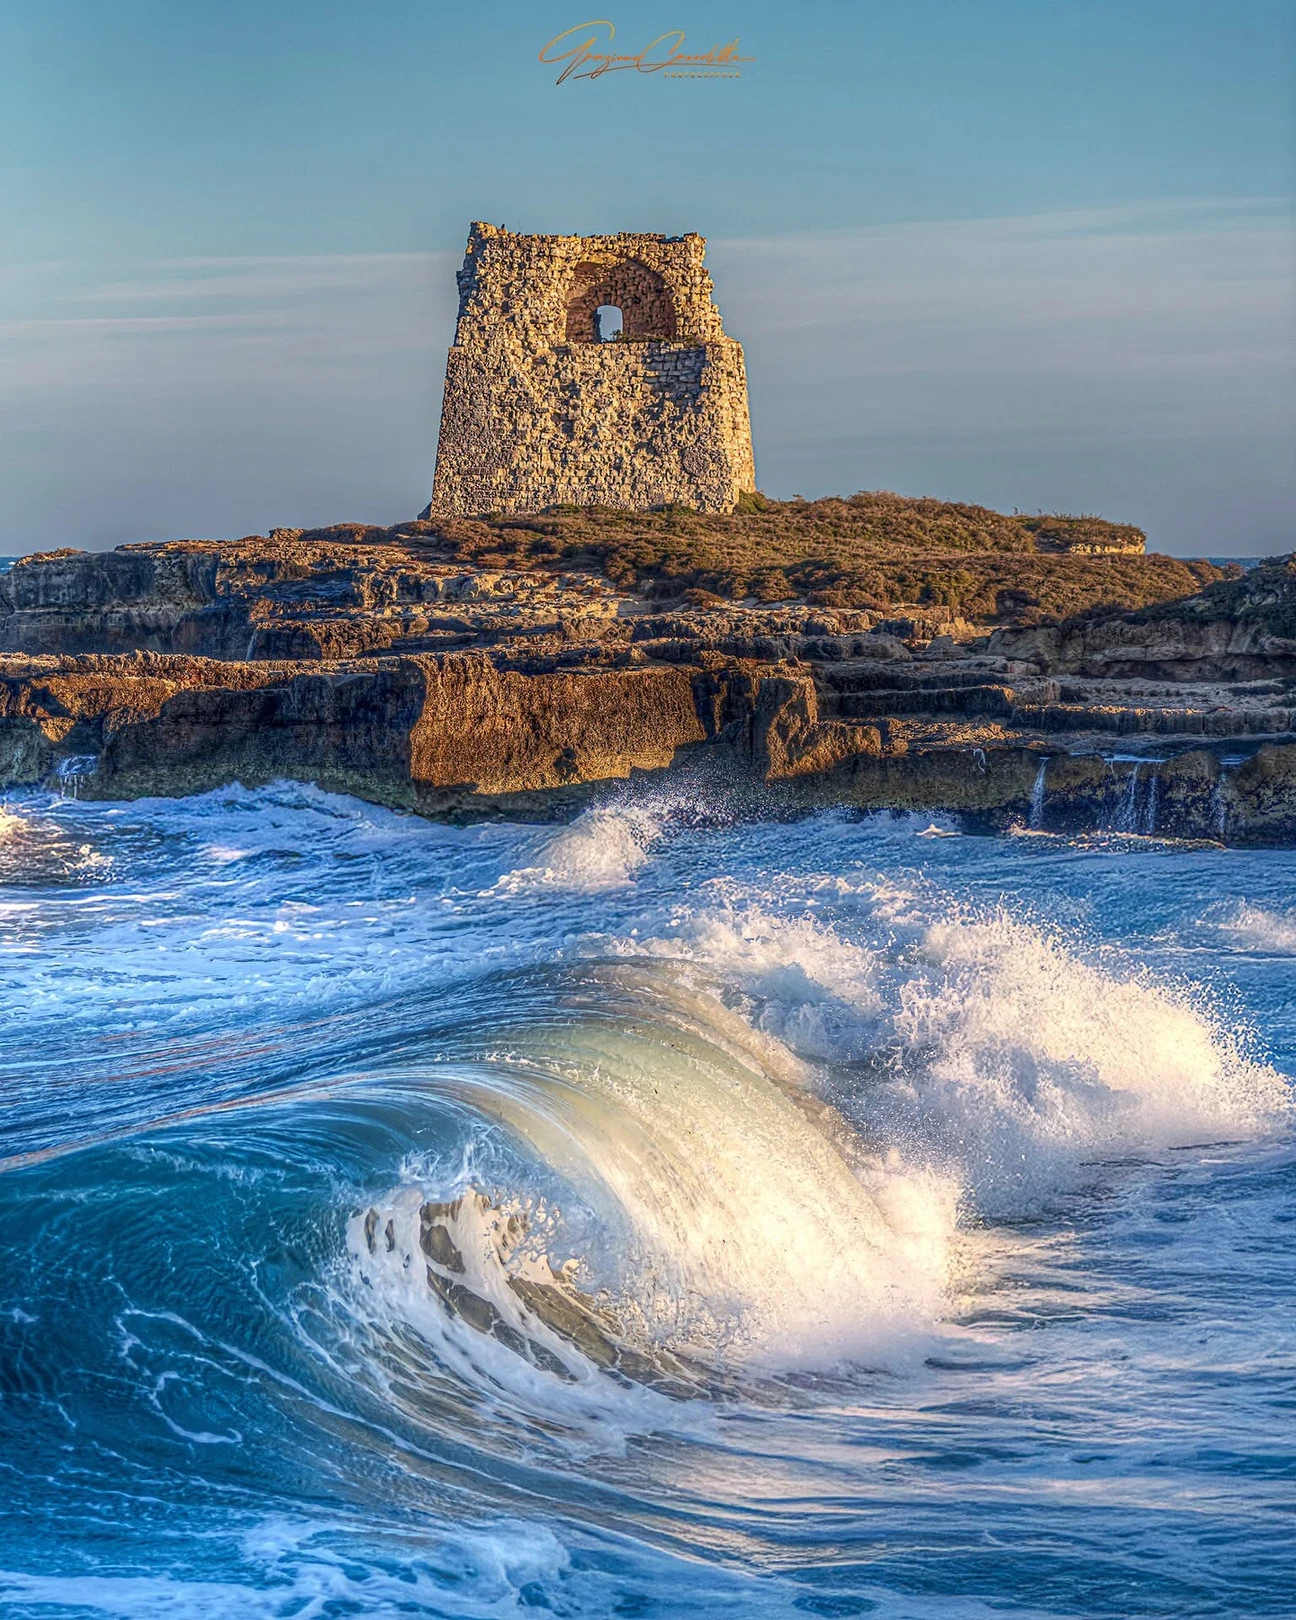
point(835, 1217)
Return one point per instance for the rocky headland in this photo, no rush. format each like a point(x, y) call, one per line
point(872, 653)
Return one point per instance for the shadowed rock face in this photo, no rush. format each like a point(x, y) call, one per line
point(1236, 630)
point(436, 733)
point(459, 692)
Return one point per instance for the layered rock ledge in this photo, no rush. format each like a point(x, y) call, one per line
point(370, 663)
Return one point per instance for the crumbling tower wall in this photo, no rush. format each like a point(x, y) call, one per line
point(541, 410)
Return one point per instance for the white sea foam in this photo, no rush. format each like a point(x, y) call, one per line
point(304, 1568)
point(982, 1061)
point(804, 984)
point(600, 849)
point(1253, 928)
point(1018, 1062)
point(994, 1051)
point(727, 1219)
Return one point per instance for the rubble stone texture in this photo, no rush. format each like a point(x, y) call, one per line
point(541, 411)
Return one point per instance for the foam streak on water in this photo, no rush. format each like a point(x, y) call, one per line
point(658, 1215)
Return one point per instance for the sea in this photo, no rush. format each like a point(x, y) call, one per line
point(679, 1212)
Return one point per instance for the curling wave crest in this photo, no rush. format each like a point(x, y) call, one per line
point(636, 1166)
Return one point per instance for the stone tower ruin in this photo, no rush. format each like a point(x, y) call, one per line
point(543, 406)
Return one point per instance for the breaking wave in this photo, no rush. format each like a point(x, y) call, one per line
point(413, 1159)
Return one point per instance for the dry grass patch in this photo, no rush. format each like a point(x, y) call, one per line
point(872, 550)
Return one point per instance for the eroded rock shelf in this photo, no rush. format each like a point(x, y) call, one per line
point(376, 667)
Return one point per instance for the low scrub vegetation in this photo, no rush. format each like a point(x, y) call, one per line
point(872, 550)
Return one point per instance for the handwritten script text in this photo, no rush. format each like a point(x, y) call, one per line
point(580, 52)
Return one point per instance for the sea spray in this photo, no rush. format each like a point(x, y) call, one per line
point(600, 849)
point(1022, 1062)
point(847, 1175)
point(994, 1051)
point(1250, 927)
point(729, 1216)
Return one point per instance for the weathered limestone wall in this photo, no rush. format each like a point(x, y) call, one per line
point(454, 735)
point(443, 733)
point(538, 412)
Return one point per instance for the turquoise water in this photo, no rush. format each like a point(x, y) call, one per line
point(664, 1215)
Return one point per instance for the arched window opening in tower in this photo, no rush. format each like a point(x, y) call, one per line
point(639, 296)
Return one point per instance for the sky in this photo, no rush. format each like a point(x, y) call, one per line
point(1032, 254)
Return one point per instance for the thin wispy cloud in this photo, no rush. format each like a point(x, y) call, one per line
point(277, 277)
point(1131, 291)
point(50, 325)
point(1026, 360)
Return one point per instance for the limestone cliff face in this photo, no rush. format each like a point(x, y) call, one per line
point(501, 732)
point(496, 691)
point(434, 732)
point(77, 601)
